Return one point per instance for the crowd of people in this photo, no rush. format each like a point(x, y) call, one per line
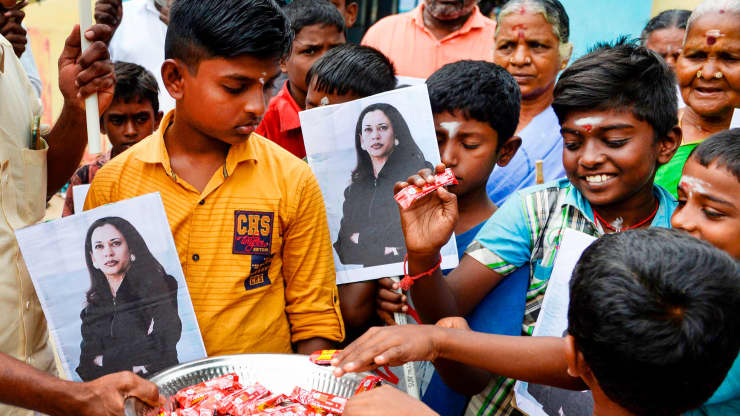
point(632, 143)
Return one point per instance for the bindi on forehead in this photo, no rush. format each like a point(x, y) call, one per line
point(588, 123)
point(713, 35)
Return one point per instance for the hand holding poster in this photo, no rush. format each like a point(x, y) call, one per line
point(110, 284)
point(539, 400)
point(358, 151)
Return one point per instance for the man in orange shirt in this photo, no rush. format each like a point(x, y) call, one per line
point(436, 33)
point(247, 217)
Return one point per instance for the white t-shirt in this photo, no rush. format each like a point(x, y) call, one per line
point(140, 39)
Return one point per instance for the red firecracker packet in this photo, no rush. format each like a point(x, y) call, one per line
point(368, 383)
point(192, 396)
point(409, 194)
point(323, 357)
point(293, 409)
point(241, 401)
point(301, 396)
point(327, 402)
point(271, 400)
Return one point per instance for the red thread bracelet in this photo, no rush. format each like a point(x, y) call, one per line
point(407, 280)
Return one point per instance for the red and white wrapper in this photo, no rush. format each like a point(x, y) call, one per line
point(409, 194)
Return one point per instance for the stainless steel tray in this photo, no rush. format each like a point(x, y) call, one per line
point(280, 373)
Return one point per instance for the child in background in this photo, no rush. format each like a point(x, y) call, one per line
point(317, 26)
point(709, 209)
point(348, 9)
point(346, 73)
point(651, 331)
point(617, 108)
point(247, 217)
point(133, 115)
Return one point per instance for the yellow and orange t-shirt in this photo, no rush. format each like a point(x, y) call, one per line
point(254, 245)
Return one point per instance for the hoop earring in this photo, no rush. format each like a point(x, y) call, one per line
point(133, 258)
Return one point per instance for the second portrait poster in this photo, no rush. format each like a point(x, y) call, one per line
point(358, 151)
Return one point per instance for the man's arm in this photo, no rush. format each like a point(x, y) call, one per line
point(24, 386)
point(312, 302)
point(80, 74)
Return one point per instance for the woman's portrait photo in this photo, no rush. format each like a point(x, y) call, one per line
point(358, 151)
point(370, 231)
point(114, 294)
point(130, 321)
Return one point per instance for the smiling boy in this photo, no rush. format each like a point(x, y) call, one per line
point(617, 108)
point(318, 27)
point(247, 217)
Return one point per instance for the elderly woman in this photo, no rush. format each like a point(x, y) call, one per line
point(708, 72)
point(664, 34)
point(532, 44)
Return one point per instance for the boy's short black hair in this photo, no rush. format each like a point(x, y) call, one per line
point(352, 68)
point(620, 76)
point(202, 29)
point(482, 91)
point(654, 313)
point(134, 82)
point(722, 148)
point(302, 13)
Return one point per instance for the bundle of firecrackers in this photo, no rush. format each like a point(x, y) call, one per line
point(225, 396)
point(409, 194)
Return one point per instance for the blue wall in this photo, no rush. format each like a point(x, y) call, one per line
point(592, 21)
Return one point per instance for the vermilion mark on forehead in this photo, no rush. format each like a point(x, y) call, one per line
point(588, 128)
point(711, 40)
point(523, 10)
point(721, 11)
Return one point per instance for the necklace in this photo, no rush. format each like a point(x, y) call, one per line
point(638, 225)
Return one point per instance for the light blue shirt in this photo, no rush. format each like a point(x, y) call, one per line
point(541, 140)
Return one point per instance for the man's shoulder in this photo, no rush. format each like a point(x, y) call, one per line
point(380, 28)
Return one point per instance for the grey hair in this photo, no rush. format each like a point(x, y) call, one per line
point(712, 7)
point(553, 12)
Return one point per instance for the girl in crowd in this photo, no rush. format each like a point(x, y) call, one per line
point(708, 72)
point(664, 34)
point(532, 44)
point(370, 232)
point(130, 321)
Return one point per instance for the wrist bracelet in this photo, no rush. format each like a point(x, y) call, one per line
point(407, 280)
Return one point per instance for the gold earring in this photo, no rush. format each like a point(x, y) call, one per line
point(698, 74)
point(718, 75)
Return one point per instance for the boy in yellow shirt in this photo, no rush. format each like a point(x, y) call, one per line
point(247, 217)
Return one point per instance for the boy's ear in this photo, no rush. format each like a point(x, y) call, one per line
point(284, 64)
point(668, 145)
point(351, 17)
point(577, 366)
point(173, 72)
point(508, 150)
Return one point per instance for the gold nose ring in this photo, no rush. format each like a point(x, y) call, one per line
point(528, 60)
point(718, 75)
point(698, 74)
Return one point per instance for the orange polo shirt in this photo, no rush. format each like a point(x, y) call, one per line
point(416, 52)
point(281, 123)
point(254, 245)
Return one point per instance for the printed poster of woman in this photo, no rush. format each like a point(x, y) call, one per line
point(358, 151)
point(114, 294)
